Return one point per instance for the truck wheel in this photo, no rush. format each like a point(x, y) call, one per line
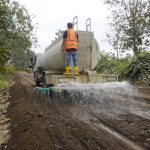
point(44, 82)
point(37, 83)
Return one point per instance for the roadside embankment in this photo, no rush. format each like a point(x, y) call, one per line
point(5, 84)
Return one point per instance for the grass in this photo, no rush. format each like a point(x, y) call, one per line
point(4, 79)
point(3, 84)
point(5, 73)
point(10, 69)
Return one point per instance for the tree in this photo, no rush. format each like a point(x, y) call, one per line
point(138, 70)
point(4, 53)
point(22, 59)
point(16, 30)
point(130, 25)
point(4, 56)
point(59, 33)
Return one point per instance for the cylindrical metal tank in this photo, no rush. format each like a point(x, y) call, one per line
point(53, 58)
point(88, 53)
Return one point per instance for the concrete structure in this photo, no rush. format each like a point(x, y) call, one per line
point(87, 78)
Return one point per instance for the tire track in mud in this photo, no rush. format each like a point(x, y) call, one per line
point(132, 126)
point(134, 134)
point(79, 133)
point(122, 137)
point(27, 127)
point(127, 141)
point(43, 126)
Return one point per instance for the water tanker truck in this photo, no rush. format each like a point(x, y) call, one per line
point(50, 66)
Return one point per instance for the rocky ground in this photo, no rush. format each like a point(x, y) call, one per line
point(38, 123)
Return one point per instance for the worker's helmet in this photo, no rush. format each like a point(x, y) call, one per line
point(69, 25)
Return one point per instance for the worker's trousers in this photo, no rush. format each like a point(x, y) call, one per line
point(74, 57)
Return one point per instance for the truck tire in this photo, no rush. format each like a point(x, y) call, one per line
point(44, 82)
point(37, 83)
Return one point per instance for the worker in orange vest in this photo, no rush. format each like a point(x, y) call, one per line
point(70, 45)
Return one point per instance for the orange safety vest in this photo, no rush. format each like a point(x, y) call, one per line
point(71, 40)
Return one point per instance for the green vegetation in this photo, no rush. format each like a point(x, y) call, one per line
point(3, 84)
point(3, 81)
point(130, 24)
point(16, 34)
point(2, 69)
point(130, 31)
point(135, 69)
point(112, 65)
point(138, 70)
point(10, 69)
point(16, 39)
point(5, 73)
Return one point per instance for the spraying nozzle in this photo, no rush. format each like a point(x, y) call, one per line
point(43, 89)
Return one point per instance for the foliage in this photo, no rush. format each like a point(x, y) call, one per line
point(135, 69)
point(4, 56)
point(16, 32)
point(111, 65)
point(3, 83)
point(5, 73)
point(130, 25)
point(59, 33)
point(2, 69)
point(22, 59)
point(7, 70)
point(138, 70)
point(10, 69)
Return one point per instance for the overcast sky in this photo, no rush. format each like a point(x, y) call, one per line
point(52, 15)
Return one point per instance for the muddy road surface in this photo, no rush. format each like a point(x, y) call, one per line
point(39, 122)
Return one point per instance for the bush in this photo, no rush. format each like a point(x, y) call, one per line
point(2, 69)
point(5, 73)
point(3, 80)
point(135, 69)
point(10, 69)
point(138, 71)
point(3, 84)
point(7, 69)
point(103, 65)
point(112, 65)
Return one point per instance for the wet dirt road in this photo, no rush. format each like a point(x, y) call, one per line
point(40, 124)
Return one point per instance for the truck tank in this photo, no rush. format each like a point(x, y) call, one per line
point(88, 53)
point(53, 62)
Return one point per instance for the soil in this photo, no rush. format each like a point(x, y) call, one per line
point(4, 120)
point(44, 124)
